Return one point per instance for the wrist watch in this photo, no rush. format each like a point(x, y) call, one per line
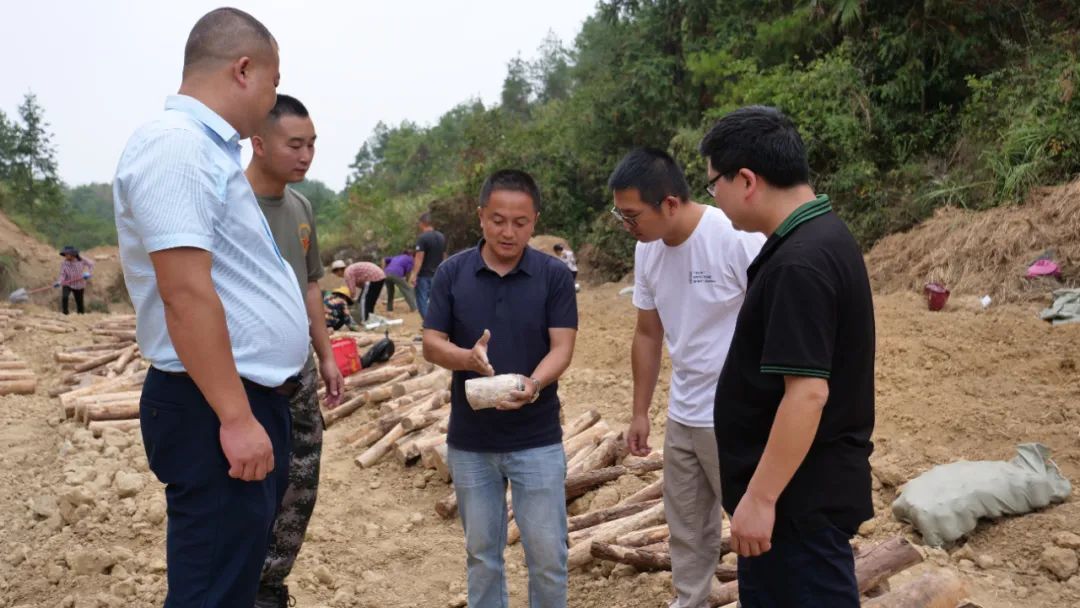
point(536, 389)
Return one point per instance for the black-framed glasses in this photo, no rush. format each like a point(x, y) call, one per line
point(629, 221)
point(711, 186)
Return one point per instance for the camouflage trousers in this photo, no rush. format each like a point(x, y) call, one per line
point(299, 501)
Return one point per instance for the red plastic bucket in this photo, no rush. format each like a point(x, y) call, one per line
point(346, 355)
point(936, 295)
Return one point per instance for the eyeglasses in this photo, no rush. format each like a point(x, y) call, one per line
point(711, 186)
point(629, 221)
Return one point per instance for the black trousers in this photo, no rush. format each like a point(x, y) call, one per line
point(219, 527)
point(813, 569)
point(78, 293)
point(373, 291)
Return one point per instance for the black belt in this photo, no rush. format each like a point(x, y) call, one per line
point(287, 389)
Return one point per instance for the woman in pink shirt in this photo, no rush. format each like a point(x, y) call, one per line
point(74, 273)
point(365, 276)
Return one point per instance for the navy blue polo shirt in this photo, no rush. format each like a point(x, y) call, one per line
point(519, 308)
point(808, 312)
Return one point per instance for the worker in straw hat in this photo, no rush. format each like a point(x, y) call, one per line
point(336, 303)
point(74, 273)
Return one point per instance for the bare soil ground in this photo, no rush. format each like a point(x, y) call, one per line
point(82, 521)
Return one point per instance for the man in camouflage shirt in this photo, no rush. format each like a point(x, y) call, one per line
point(282, 152)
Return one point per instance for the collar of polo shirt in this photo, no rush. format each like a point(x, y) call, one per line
point(529, 264)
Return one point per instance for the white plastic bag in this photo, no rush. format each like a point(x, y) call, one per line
point(945, 502)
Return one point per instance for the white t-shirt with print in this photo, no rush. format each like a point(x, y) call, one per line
point(697, 289)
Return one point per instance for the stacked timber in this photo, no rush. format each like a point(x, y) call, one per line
point(16, 377)
point(56, 324)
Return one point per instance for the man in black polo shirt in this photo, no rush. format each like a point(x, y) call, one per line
point(503, 307)
point(795, 401)
point(430, 251)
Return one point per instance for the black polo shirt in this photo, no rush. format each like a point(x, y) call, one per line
point(519, 308)
point(808, 312)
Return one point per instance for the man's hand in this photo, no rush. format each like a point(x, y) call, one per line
point(247, 448)
point(477, 360)
point(637, 436)
point(412, 280)
point(752, 526)
point(333, 380)
point(519, 399)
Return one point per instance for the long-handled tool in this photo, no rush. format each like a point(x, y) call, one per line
point(22, 294)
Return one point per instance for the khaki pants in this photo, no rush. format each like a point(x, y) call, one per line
point(692, 504)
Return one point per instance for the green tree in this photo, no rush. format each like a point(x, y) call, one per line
point(325, 203)
point(517, 90)
point(9, 139)
point(904, 106)
point(551, 72)
point(33, 172)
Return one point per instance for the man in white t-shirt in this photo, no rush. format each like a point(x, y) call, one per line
point(689, 282)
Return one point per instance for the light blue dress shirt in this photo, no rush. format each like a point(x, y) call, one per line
point(180, 183)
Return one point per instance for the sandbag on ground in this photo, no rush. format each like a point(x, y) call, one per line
point(945, 502)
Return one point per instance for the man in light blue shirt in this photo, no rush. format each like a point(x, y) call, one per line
point(219, 312)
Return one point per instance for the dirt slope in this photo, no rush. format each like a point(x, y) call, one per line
point(987, 252)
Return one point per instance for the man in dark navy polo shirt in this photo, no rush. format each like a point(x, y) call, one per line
point(795, 401)
point(505, 308)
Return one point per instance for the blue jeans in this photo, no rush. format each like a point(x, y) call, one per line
point(537, 477)
point(423, 293)
point(219, 527)
point(813, 569)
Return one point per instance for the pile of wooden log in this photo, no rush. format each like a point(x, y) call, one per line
point(50, 323)
point(16, 377)
point(117, 327)
point(101, 381)
point(101, 384)
point(8, 316)
point(411, 418)
point(18, 318)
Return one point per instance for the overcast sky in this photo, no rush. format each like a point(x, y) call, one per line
point(103, 67)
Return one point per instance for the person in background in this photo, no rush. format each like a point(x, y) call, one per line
point(364, 281)
point(74, 273)
point(282, 151)
point(397, 268)
point(336, 304)
point(567, 257)
point(430, 252)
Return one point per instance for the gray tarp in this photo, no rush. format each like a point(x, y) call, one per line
point(945, 502)
point(1065, 309)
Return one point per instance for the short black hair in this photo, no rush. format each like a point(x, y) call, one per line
point(425, 218)
point(653, 173)
point(761, 139)
point(510, 179)
point(225, 34)
point(287, 105)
